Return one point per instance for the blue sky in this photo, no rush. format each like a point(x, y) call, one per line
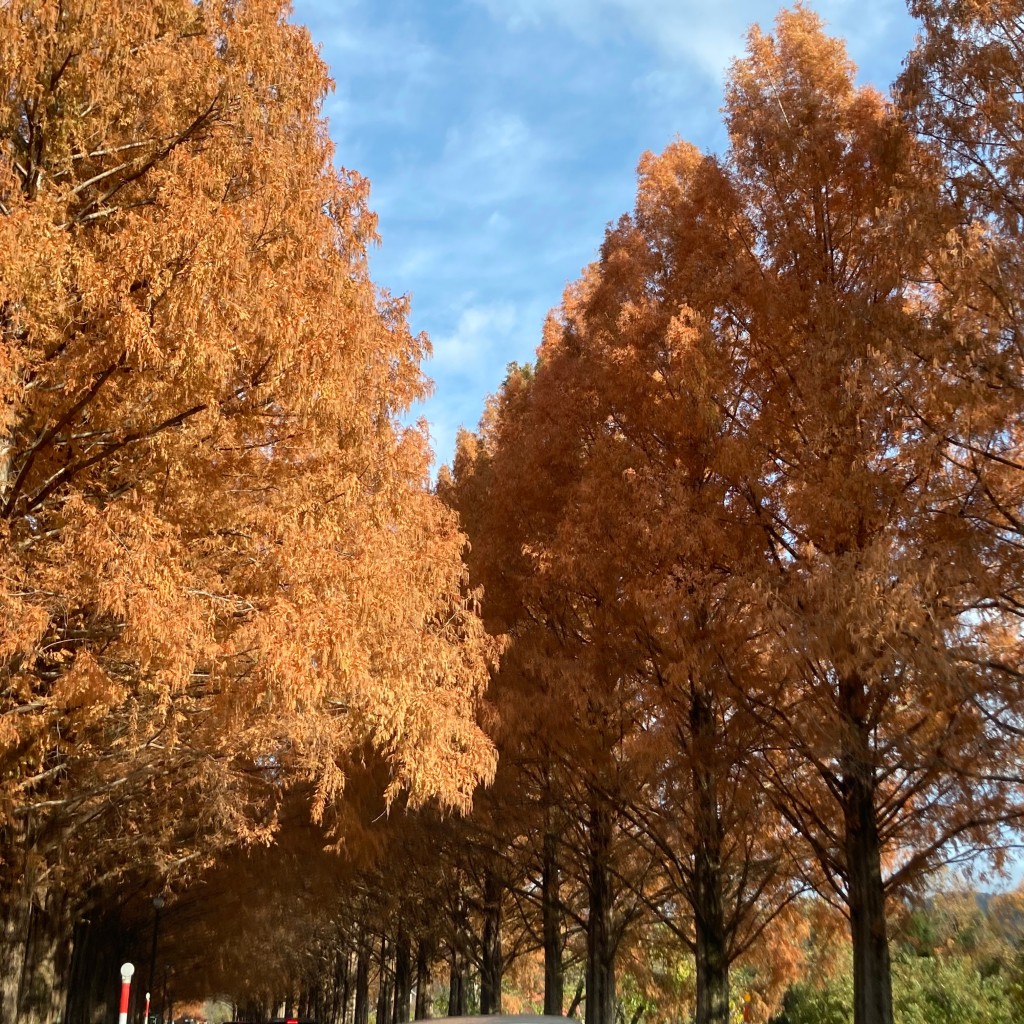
point(501, 137)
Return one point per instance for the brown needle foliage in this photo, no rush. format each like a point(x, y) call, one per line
point(759, 504)
point(889, 679)
point(220, 566)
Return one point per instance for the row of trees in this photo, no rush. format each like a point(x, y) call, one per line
point(752, 523)
point(222, 573)
point(751, 529)
point(295, 927)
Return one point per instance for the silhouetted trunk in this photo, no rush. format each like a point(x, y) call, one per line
point(600, 945)
point(554, 942)
point(491, 962)
point(334, 1010)
point(82, 947)
point(456, 986)
point(361, 1014)
point(872, 975)
point(311, 1000)
point(423, 980)
point(712, 960)
point(384, 986)
point(403, 979)
point(342, 988)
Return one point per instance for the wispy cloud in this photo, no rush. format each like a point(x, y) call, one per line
point(471, 359)
point(481, 331)
point(495, 136)
point(368, 58)
point(688, 29)
point(675, 28)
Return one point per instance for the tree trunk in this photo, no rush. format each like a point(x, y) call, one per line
point(384, 985)
point(362, 1008)
point(423, 980)
point(311, 999)
point(36, 956)
point(872, 975)
point(93, 972)
point(17, 917)
point(491, 963)
point(403, 979)
point(577, 998)
point(13, 934)
point(709, 915)
point(82, 969)
point(342, 987)
point(44, 978)
point(712, 964)
point(554, 942)
point(456, 986)
point(600, 942)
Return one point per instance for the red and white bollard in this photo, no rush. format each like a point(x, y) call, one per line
point(145, 1016)
point(127, 970)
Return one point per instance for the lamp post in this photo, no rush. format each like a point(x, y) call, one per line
point(158, 902)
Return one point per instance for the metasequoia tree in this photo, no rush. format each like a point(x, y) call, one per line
point(888, 681)
point(528, 719)
point(266, 923)
point(671, 530)
point(220, 562)
point(963, 85)
point(532, 801)
point(614, 452)
point(599, 457)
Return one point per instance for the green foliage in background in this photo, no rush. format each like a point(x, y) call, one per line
point(958, 958)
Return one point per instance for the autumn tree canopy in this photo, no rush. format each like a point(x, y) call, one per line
point(763, 488)
point(221, 566)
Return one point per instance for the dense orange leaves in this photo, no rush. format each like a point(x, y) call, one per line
point(759, 498)
point(221, 566)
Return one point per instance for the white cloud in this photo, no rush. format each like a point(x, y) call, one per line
point(679, 28)
point(479, 333)
point(384, 56)
point(489, 158)
point(471, 358)
point(496, 136)
point(497, 222)
point(709, 36)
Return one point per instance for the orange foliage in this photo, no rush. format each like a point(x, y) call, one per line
point(220, 565)
point(753, 521)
